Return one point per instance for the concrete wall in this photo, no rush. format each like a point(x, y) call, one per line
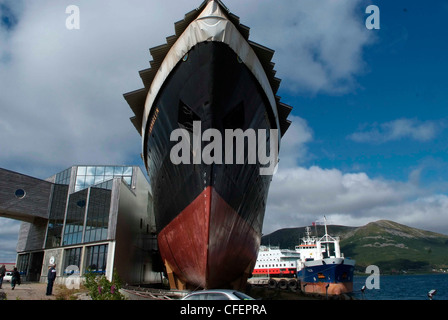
point(32, 235)
point(134, 238)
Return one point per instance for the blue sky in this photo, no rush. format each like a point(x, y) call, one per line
point(405, 79)
point(369, 135)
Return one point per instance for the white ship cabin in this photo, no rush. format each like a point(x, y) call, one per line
point(317, 249)
point(311, 248)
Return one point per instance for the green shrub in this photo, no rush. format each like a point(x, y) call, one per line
point(100, 288)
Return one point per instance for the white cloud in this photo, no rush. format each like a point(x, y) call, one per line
point(397, 130)
point(62, 89)
point(293, 149)
point(318, 44)
point(299, 196)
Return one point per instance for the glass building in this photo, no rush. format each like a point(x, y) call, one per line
point(85, 218)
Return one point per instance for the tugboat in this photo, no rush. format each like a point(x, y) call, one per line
point(322, 268)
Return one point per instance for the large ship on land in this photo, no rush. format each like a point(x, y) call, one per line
point(209, 216)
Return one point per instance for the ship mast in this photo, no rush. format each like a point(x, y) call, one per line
point(326, 236)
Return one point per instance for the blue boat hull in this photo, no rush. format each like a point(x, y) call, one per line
point(331, 277)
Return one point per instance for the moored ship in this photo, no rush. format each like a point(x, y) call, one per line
point(209, 216)
point(317, 264)
point(322, 267)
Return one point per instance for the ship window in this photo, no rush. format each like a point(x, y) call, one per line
point(235, 118)
point(186, 117)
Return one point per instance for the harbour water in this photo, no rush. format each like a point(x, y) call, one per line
point(403, 287)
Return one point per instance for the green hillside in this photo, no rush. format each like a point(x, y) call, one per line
point(391, 246)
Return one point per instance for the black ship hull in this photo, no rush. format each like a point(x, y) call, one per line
point(209, 214)
point(212, 86)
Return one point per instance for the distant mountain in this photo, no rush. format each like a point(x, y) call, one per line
point(391, 246)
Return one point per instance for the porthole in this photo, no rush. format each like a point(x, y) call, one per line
point(185, 58)
point(20, 193)
point(239, 59)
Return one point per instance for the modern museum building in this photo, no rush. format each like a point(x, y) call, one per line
point(96, 218)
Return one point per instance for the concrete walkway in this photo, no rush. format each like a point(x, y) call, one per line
point(37, 291)
point(27, 291)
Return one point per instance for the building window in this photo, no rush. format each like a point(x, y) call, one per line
point(75, 218)
point(20, 193)
point(56, 218)
point(63, 177)
point(72, 258)
point(22, 263)
point(97, 221)
point(87, 176)
point(96, 259)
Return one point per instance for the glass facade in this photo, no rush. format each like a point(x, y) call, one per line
point(57, 213)
point(74, 223)
point(22, 263)
point(72, 258)
point(96, 259)
point(97, 215)
point(87, 176)
point(63, 177)
point(86, 211)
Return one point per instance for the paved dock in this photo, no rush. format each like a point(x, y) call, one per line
point(37, 291)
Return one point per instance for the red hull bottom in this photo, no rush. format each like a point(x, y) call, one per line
point(333, 288)
point(208, 245)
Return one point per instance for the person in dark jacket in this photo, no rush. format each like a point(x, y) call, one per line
point(15, 279)
point(51, 277)
point(2, 274)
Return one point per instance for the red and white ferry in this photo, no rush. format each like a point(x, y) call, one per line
point(276, 262)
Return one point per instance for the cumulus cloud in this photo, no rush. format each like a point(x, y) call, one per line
point(318, 44)
point(398, 129)
point(294, 143)
point(62, 89)
point(299, 196)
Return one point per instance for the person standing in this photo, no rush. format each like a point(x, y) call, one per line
point(2, 274)
point(51, 276)
point(15, 279)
